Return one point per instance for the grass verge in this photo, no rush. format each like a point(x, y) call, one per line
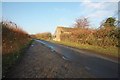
point(108, 51)
point(9, 60)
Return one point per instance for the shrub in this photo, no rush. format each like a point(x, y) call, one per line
point(44, 36)
point(103, 37)
point(14, 39)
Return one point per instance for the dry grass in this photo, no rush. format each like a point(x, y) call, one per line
point(43, 36)
point(14, 42)
point(13, 38)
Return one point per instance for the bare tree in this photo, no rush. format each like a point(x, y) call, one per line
point(81, 23)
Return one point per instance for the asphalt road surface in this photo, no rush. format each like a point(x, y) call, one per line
point(95, 64)
point(49, 60)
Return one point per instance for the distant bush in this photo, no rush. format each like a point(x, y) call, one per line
point(44, 36)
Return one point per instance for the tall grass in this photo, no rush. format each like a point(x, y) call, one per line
point(14, 40)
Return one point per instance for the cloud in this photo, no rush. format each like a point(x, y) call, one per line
point(98, 11)
point(98, 14)
point(94, 5)
point(99, 1)
point(110, 0)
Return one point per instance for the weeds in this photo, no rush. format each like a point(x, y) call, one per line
point(14, 42)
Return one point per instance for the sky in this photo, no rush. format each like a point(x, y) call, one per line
point(38, 17)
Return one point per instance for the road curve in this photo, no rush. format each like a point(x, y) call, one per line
point(96, 65)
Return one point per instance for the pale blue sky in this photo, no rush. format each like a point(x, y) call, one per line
point(38, 17)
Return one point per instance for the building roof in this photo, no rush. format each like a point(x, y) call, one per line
point(65, 28)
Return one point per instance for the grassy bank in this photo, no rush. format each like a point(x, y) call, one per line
point(10, 59)
point(110, 51)
point(14, 42)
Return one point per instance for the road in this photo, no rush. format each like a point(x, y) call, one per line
point(97, 65)
point(49, 60)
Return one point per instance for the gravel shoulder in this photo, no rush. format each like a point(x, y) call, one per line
point(41, 62)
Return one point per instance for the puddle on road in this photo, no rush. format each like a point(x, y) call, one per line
point(41, 42)
point(52, 48)
point(49, 46)
point(64, 58)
